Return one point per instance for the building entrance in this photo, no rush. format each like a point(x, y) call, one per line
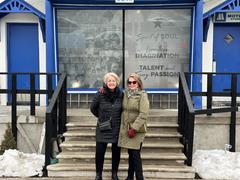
point(152, 42)
point(226, 54)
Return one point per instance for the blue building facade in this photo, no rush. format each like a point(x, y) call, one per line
point(157, 39)
point(86, 39)
point(221, 53)
point(22, 44)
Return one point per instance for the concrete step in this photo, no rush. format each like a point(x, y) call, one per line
point(152, 127)
point(151, 118)
point(152, 136)
point(147, 158)
point(155, 115)
point(81, 146)
point(86, 112)
point(162, 155)
point(151, 172)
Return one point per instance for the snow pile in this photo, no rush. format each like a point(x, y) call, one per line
point(17, 164)
point(217, 164)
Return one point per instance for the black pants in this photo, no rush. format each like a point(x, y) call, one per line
point(135, 164)
point(100, 153)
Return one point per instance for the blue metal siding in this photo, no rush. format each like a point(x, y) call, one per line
point(49, 37)
point(197, 51)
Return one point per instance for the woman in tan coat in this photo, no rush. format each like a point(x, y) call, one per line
point(133, 124)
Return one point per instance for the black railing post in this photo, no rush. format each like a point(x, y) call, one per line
point(232, 136)
point(63, 108)
point(209, 92)
point(32, 93)
point(49, 87)
point(180, 106)
point(48, 137)
point(14, 105)
point(190, 137)
point(55, 120)
point(64, 113)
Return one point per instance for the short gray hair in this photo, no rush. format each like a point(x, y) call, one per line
point(112, 74)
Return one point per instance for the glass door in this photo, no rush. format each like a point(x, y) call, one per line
point(157, 45)
point(89, 45)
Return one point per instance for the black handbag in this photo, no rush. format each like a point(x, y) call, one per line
point(106, 125)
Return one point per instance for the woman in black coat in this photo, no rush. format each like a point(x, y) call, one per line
point(107, 107)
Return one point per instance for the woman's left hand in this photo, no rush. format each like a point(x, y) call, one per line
point(132, 133)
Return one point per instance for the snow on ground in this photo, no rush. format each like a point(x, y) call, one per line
point(209, 164)
point(17, 164)
point(217, 164)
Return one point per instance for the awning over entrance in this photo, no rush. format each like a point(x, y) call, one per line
point(135, 1)
point(226, 6)
point(20, 6)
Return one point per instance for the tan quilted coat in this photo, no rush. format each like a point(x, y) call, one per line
point(135, 111)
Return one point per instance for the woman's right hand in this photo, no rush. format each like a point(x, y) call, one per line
point(101, 90)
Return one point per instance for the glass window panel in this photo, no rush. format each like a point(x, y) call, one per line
point(89, 45)
point(157, 45)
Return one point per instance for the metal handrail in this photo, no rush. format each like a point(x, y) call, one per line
point(32, 91)
point(186, 93)
point(186, 111)
point(56, 112)
point(56, 117)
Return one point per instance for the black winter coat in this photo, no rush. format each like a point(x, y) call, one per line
point(104, 108)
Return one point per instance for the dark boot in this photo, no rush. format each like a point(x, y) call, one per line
point(130, 165)
point(116, 151)
point(98, 176)
point(128, 178)
point(99, 159)
point(114, 176)
point(137, 161)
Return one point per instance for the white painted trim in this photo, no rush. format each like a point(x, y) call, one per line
point(207, 62)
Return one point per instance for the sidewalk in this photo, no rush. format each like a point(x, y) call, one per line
point(47, 178)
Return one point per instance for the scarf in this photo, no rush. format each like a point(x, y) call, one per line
point(131, 93)
point(111, 95)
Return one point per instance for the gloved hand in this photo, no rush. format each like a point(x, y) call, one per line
point(101, 90)
point(132, 133)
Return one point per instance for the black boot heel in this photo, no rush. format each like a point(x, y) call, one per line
point(114, 176)
point(98, 176)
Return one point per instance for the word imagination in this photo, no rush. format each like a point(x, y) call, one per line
point(157, 55)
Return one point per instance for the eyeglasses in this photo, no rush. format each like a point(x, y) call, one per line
point(132, 82)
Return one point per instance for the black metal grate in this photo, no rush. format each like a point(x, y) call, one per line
point(157, 101)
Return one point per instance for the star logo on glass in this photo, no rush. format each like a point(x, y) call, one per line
point(157, 24)
point(157, 21)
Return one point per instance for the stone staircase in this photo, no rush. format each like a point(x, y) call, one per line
point(162, 155)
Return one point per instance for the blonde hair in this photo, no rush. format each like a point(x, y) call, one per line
point(137, 78)
point(111, 74)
